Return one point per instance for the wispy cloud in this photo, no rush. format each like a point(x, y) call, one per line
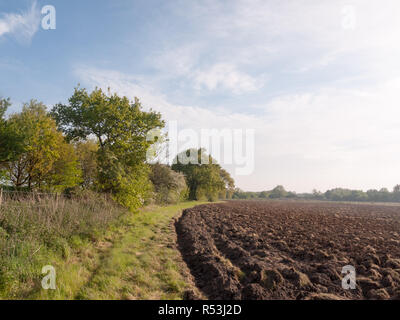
point(299, 37)
point(226, 76)
point(186, 62)
point(22, 26)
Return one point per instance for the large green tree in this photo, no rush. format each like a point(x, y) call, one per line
point(121, 128)
point(45, 160)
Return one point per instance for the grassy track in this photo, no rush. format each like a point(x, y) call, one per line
point(135, 259)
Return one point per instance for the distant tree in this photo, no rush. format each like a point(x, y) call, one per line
point(204, 177)
point(317, 194)
point(373, 195)
point(238, 194)
point(227, 193)
point(341, 194)
point(359, 195)
point(396, 193)
point(264, 195)
point(291, 195)
point(384, 195)
point(278, 192)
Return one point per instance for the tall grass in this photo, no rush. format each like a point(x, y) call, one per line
point(33, 230)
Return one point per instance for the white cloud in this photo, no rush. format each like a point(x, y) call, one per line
point(185, 62)
point(177, 61)
point(22, 26)
point(297, 35)
point(225, 76)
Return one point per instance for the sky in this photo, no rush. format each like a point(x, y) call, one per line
point(317, 81)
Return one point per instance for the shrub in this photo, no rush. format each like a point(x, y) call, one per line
point(169, 186)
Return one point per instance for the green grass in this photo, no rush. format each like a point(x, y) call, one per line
point(50, 231)
point(134, 258)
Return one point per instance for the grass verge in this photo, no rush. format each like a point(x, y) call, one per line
point(134, 258)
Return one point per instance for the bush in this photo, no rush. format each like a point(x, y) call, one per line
point(169, 186)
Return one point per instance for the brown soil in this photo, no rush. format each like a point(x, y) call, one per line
point(291, 250)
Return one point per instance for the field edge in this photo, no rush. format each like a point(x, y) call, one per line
point(136, 257)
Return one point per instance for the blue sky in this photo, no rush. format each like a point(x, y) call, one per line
point(318, 81)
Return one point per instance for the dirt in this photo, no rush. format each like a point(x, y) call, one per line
point(291, 249)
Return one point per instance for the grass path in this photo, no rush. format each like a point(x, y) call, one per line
point(135, 259)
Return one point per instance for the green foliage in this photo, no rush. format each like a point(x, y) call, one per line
point(33, 234)
point(121, 129)
point(129, 185)
point(10, 141)
point(44, 160)
point(86, 152)
point(336, 194)
point(204, 177)
point(396, 193)
point(278, 192)
point(65, 172)
point(340, 194)
point(132, 189)
point(4, 105)
point(115, 122)
point(229, 189)
point(263, 195)
point(291, 195)
point(243, 195)
point(104, 144)
point(169, 186)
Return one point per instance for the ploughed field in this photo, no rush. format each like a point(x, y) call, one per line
point(292, 250)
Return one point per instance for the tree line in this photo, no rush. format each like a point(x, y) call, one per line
point(336, 194)
point(278, 192)
point(98, 141)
